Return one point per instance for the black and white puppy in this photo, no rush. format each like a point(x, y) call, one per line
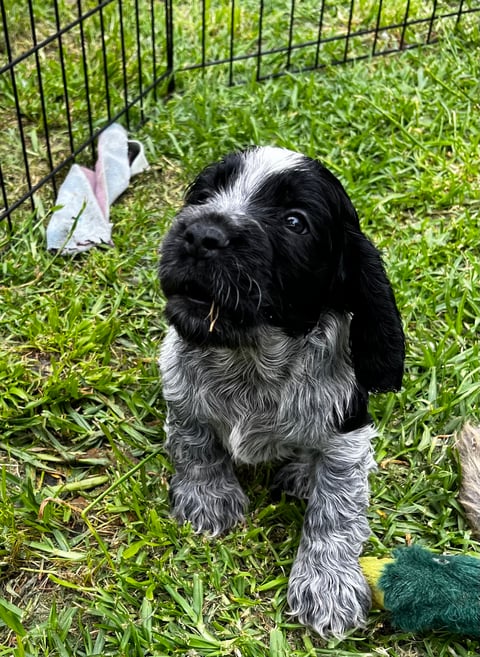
point(281, 321)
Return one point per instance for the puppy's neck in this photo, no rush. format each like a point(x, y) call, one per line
point(267, 351)
point(272, 352)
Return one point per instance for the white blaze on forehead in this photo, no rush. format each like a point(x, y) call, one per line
point(270, 159)
point(259, 164)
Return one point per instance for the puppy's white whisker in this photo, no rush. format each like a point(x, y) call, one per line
point(237, 302)
point(228, 295)
point(251, 283)
point(260, 296)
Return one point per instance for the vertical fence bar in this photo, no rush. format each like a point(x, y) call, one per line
point(86, 75)
point(154, 49)
point(432, 21)
point(404, 26)
point(349, 31)
point(42, 94)
point(232, 39)
point(64, 76)
point(459, 13)
point(204, 34)
point(124, 64)
point(4, 209)
point(259, 42)
point(5, 201)
point(290, 34)
point(139, 61)
point(104, 60)
point(377, 28)
point(319, 33)
point(170, 45)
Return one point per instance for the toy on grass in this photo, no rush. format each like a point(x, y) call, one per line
point(425, 591)
point(81, 217)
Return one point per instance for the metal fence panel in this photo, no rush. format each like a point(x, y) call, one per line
point(109, 60)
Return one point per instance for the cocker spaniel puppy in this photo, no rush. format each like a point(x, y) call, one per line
point(282, 320)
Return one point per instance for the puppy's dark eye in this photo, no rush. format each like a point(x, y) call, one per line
point(296, 222)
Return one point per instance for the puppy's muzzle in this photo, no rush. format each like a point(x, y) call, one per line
point(205, 239)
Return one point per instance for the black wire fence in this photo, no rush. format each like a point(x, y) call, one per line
point(70, 68)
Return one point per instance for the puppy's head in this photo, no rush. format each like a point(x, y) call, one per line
point(268, 236)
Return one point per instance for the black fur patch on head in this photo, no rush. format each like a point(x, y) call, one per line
point(269, 237)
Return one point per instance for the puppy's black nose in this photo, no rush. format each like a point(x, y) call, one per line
point(205, 240)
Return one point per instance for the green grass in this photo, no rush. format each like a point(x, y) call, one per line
point(90, 562)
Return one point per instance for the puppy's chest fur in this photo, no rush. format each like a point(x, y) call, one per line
point(263, 402)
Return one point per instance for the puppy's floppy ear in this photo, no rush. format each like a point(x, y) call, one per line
point(376, 335)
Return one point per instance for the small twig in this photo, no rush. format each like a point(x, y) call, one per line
point(212, 318)
point(56, 500)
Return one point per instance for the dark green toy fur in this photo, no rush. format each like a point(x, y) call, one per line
point(425, 591)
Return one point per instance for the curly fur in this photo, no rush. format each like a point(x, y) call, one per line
point(282, 319)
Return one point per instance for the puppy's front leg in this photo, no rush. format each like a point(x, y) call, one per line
point(327, 590)
point(204, 489)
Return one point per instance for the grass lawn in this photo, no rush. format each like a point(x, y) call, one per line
point(90, 561)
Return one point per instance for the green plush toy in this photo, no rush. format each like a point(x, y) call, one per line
point(426, 591)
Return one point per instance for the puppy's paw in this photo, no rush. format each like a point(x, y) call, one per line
point(212, 508)
point(330, 602)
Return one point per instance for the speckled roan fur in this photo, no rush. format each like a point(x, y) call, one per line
point(282, 319)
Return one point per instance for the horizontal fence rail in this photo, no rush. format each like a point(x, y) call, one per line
point(70, 68)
